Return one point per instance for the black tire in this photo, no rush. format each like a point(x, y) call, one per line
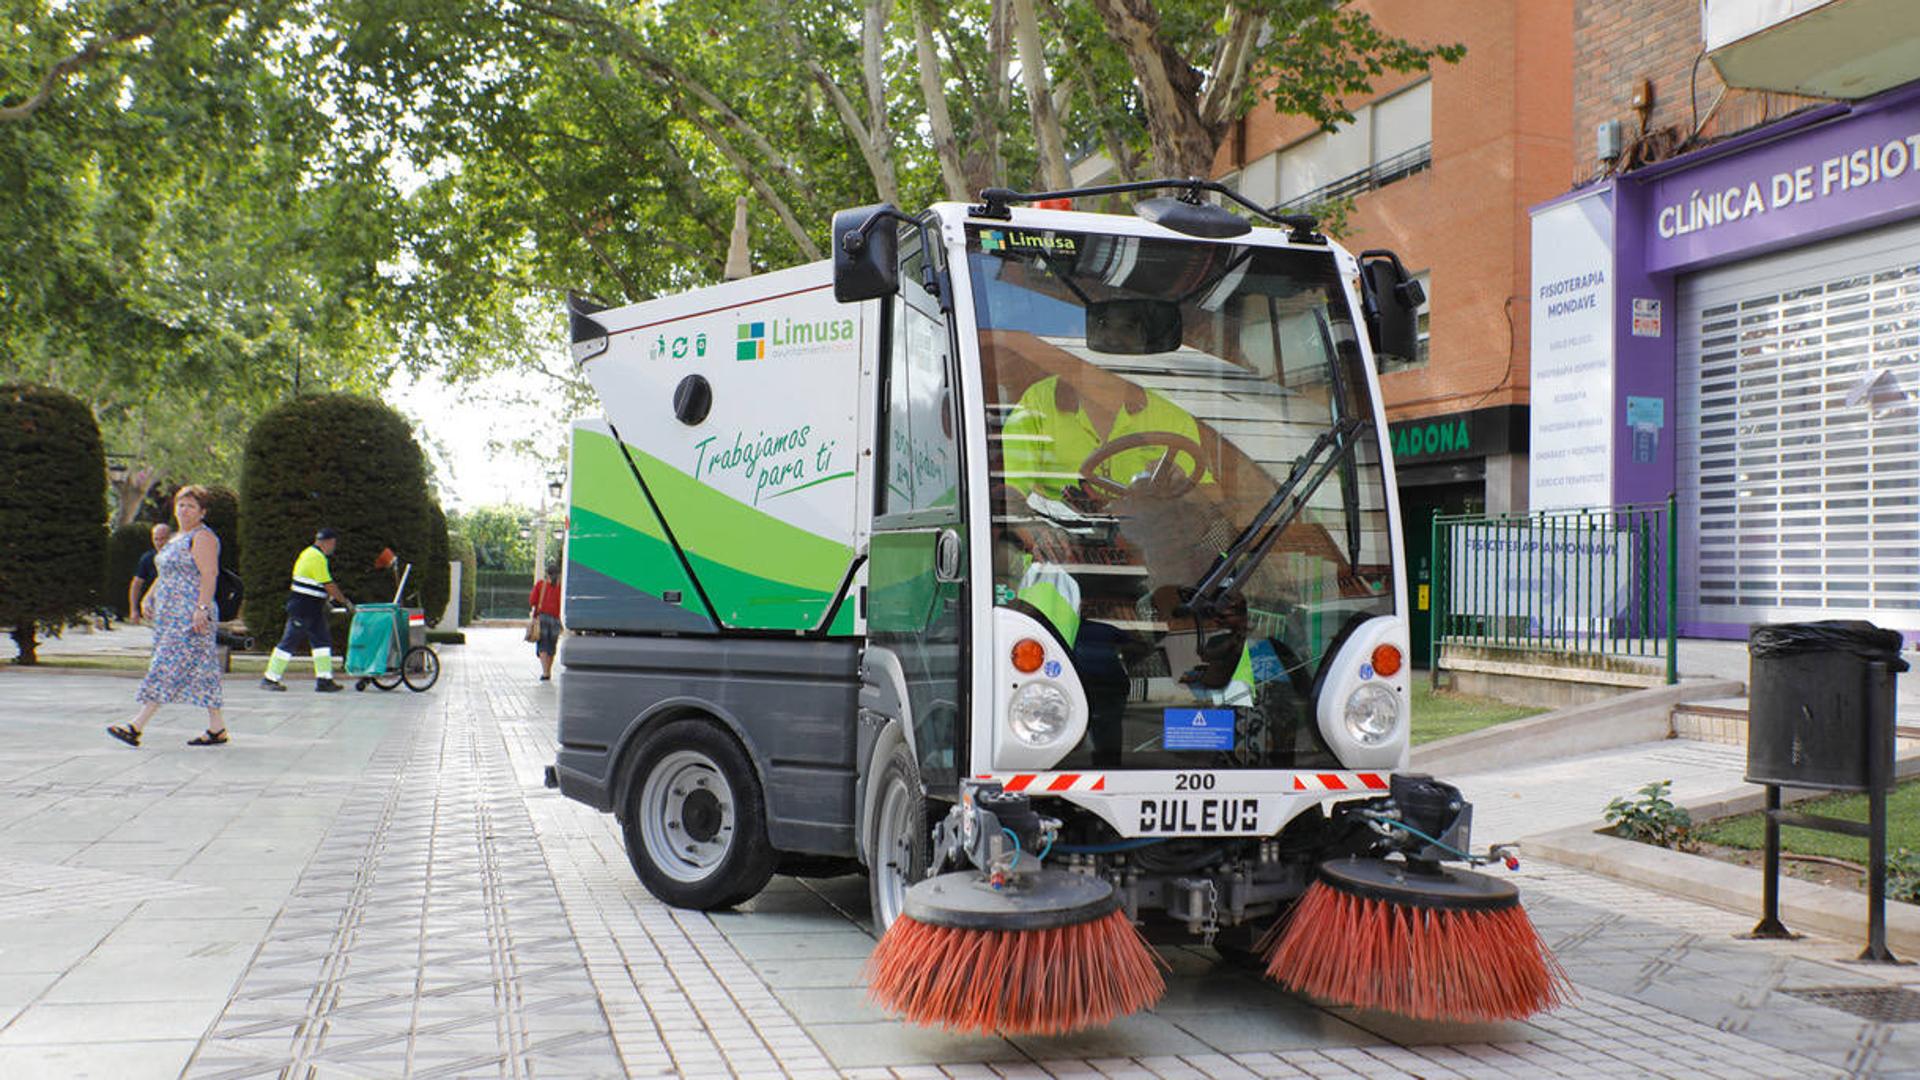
point(899, 842)
point(695, 822)
point(387, 682)
point(420, 668)
point(361, 684)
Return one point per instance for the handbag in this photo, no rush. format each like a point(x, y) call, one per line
point(533, 628)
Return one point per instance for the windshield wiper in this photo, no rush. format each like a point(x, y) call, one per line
point(1230, 569)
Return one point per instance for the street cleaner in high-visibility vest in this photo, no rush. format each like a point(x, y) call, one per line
point(307, 615)
point(1050, 436)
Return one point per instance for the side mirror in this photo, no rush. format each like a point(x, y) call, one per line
point(866, 253)
point(1392, 300)
point(1134, 326)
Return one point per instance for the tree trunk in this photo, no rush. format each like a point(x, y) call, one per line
point(1183, 142)
point(873, 42)
point(932, 88)
point(23, 639)
point(1033, 74)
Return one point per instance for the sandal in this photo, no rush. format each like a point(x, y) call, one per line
point(209, 738)
point(125, 733)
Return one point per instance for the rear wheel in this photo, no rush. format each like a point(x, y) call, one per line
point(902, 845)
point(420, 668)
point(695, 823)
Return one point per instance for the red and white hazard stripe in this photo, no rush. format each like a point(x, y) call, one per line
point(1340, 781)
point(416, 620)
point(1049, 783)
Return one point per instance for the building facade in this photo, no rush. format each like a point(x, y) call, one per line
point(1441, 168)
point(1733, 317)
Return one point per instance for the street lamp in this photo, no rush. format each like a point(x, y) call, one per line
point(556, 487)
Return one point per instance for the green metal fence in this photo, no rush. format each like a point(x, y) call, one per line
point(502, 594)
point(1597, 582)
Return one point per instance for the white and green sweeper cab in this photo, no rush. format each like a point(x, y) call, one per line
point(1097, 508)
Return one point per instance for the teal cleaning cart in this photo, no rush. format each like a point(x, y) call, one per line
point(387, 646)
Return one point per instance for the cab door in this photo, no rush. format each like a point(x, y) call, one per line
point(917, 569)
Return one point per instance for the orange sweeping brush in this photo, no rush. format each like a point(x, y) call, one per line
point(1018, 950)
point(1417, 939)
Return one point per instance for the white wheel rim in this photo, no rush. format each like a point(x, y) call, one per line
point(893, 850)
point(686, 816)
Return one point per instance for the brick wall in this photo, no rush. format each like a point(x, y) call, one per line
point(1501, 119)
point(1620, 43)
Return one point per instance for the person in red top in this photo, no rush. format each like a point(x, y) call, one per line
point(545, 602)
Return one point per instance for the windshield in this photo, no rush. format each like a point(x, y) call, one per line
point(1146, 399)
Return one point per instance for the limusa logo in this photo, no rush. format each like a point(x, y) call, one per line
point(781, 337)
point(1021, 240)
point(753, 342)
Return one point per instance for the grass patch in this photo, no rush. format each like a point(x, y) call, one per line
point(1438, 714)
point(1903, 826)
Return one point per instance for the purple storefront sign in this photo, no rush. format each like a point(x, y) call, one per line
point(1857, 168)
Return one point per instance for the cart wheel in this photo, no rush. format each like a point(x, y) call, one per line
point(361, 684)
point(420, 667)
point(387, 682)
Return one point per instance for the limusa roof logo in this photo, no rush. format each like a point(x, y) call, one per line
point(1020, 240)
point(753, 342)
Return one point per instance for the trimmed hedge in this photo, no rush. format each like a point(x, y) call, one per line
point(338, 460)
point(437, 576)
point(124, 549)
point(53, 511)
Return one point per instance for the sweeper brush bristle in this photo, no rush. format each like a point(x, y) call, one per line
point(1478, 962)
point(1015, 982)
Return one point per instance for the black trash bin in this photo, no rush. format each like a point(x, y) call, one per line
point(1811, 695)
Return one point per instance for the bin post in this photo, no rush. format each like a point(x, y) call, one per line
point(1879, 768)
point(1770, 925)
point(1442, 576)
point(1673, 589)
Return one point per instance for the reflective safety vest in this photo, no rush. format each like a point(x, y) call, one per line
point(1051, 591)
point(310, 573)
point(1043, 445)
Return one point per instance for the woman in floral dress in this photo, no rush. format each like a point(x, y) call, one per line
point(180, 605)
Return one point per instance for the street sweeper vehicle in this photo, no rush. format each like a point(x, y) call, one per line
point(1042, 563)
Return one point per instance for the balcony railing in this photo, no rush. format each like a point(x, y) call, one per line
point(1378, 175)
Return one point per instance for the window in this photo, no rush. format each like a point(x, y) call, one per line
point(1388, 140)
point(922, 462)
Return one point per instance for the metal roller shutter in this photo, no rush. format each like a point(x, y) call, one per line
point(1802, 506)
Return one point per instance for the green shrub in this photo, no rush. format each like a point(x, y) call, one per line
point(53, 512)
point(1903, 876)
point(1652, 818)
point(336, 460)
point(124, 549)
point(461, 549)
point(437, 576)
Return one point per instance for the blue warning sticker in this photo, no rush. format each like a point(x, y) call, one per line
point(1198, 729)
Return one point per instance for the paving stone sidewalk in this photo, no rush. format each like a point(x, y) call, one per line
point(375, 885)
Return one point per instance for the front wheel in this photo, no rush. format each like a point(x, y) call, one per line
point(420, 667)
point(695, 823)
point(902, 845)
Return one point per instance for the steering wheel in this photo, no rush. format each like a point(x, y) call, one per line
point(1168, 479)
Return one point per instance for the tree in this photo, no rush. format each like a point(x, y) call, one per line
point(329, 460)
point(53, 512)
point(1196, 71)
point(494, 532)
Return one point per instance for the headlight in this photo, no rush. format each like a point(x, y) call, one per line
point(1373, 711)
point(1038, 713)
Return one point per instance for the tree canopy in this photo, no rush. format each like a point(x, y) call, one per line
point(207, 206)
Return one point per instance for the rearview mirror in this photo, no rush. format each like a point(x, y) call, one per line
point(1392, 301)
point(1133, 327)
point(866, 253)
